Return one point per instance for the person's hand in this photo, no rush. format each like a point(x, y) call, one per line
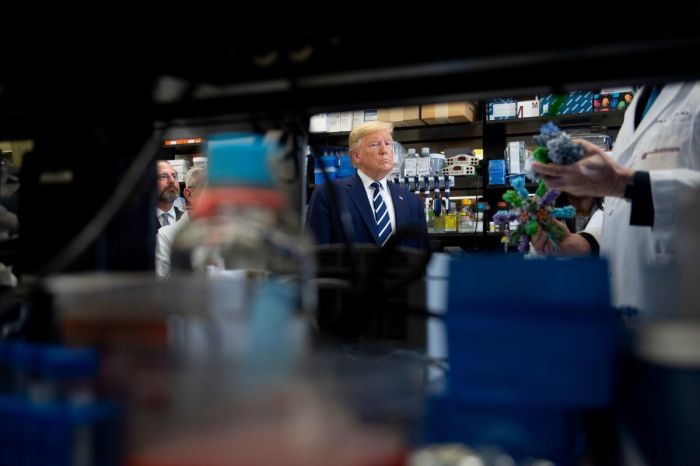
point(541, 242)
point(570, 244)
point(595, 175)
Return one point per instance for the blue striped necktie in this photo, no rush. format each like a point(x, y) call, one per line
point(381, 214)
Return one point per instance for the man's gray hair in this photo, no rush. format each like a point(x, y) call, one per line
point(195, 177)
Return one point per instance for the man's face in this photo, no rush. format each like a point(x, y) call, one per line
point(374, 154)
point(168, 185)
point(192, 194)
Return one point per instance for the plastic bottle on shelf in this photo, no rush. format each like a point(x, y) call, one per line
point(409, 166)
point(451, 219)
point(479, 217)
point(431, 220)
point(247, 247)
point(465, 223)
point(501, 206)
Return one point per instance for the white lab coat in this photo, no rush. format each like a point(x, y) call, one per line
point(164, 242)
point(667, 145)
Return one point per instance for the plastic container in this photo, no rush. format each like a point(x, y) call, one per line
point(437, 163)
point(243, 234)
point(409, 165)
point(465, 222)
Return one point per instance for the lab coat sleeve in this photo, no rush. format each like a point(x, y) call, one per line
point(670, 187)
point(667, 190)
point(594, 227)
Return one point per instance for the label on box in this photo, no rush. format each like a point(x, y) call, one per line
point(334, 122)
point(614, 101)
point(423, 166)
point(528, 108)
point(410, 167)
point(370, 115)
point(346, 121)
point(501, 111)
point(358, 118)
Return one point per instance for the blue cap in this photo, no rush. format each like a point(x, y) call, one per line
point(240, 159)
point(65, 363)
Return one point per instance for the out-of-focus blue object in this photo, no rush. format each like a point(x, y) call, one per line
point(38, 426)
point(327, 163)
point(659, 406)
point(530, 343)
point(497, 171)
point(240, 159)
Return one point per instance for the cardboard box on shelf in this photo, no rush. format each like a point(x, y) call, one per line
point(528, 108)
point(612, 101)
point(358, 118)
point(334, 122)
point(574, 102)
point(453, 112)
point(401, 116)
point(319, 123)
point(346, 121)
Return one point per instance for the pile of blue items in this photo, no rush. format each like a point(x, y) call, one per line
point(528, 354)
point(49, 410)
point(335, 162)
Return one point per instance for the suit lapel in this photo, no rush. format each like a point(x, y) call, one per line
point(356, 192)
point(400, 212)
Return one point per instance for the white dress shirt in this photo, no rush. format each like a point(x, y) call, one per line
point(164, 242)
point(173, 216)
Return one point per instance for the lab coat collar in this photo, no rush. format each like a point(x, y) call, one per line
point(666, 96)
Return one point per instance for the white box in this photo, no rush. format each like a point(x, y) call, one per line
point(504, 110)
point(528, 108)
point(334, 122)
point(358, 118)
point(346, 121)
point(319, 123)
point(370, 115)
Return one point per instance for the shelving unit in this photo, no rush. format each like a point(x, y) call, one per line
point(492, 135)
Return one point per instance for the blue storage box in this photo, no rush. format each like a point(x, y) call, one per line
point(536, 333)
point(521, 432)
point(574, 102)
point(497, 171)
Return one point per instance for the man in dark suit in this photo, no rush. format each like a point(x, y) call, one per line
point(377, 209)
point(168, 190)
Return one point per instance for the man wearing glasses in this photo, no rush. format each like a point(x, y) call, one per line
point(168, 191)
point(377, 209)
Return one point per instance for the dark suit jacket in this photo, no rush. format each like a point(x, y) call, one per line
point(323, 218)
point(178, 214)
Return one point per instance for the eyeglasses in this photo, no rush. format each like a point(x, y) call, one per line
point(377, 144)
point(167, 176)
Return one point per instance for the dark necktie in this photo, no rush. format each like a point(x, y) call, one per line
point(381, 214)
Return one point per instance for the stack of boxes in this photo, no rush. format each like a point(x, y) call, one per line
point(415, 115)
point(181, 166)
